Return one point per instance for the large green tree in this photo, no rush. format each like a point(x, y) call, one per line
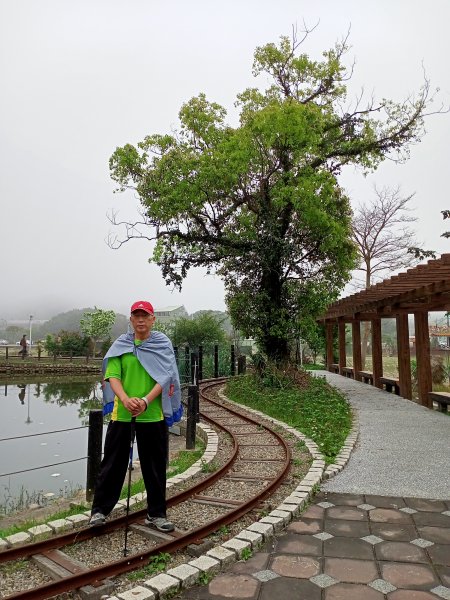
point(260, 203)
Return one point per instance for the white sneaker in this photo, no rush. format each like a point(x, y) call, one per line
point(160, 523)
point(97, 519)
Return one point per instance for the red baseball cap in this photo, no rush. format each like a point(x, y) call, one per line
point(142, 305)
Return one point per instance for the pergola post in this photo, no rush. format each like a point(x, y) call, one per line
point(424, 381)
point(404, 356)
point(377, 355)
point(342, 353)
point(356, 349)
point(329, 326)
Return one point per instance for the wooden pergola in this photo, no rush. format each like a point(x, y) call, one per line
point(417, 291)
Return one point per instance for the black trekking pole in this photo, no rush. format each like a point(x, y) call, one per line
point(130, 468)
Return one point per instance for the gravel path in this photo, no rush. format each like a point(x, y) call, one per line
point(403, 448)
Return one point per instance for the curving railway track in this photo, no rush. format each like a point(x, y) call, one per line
point(257, 465)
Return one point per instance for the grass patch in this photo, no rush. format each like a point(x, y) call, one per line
point(316, 409)
point(75, 510)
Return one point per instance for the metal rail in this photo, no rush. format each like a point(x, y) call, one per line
point(132, 562)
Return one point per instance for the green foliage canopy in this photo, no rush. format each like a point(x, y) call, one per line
point(202, 330)
point(98, 323)
point(260, 203)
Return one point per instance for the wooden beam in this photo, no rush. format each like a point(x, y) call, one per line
point(342, 353)
point(356, 349)
point(377, 356)
point(423, 358)
point(329, 326)
point(404, 357)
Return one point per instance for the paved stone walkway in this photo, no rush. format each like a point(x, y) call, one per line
point(347, 547)
point(369, 545)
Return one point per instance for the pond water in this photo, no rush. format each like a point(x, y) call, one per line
point(31, 464)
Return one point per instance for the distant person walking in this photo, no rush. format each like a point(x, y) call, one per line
point(142, 389)
point(23, 343)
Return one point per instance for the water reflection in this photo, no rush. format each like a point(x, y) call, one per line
point(32, 415)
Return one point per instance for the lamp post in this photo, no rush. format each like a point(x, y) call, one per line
point(31, 320)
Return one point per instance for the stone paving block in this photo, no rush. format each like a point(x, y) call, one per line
point(386, 501)
point(444, 575)
point(276, 522)
point(389, 515)
point(348, 513)
point(223, 555)
point(285, 515)
point(137, 593)
point(163, 584)
point(352, 591)
point(343, 499)
point(340, 527)
point(206, 564)
point(400, 552)
point(293, 510)
point(348, 570)
point(187, 574)
point(411, 595)
point(299, 544)
point(438, 535)
point(18, 539)
point(305, 526)
point(323, 581)
point(238, 546)
point(442, 592)
point(426, 505)
point(265, 529)
point(313, 512)
point(234, 586)
point(287, 588)
point(423, 519)
point(344, 547)
point(382, 586)
point(265, 575)
point(392, 532)
point(3, 545)
point(409, 575)
point(440, 554)
point(78, 520)
point(40, 532)
point(299, 567)
point(60, 525)
point(257, 562)
point(256, 539)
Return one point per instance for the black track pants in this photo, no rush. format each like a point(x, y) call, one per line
point(152, 446)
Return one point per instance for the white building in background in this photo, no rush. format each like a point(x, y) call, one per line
point(168, 314)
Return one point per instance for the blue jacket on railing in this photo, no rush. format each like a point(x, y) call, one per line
point(157, 357)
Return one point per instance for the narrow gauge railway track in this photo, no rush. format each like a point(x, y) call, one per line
point(240, 468)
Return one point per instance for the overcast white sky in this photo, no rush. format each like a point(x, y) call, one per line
point(81, 78)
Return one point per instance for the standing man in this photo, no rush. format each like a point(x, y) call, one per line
point(23, 343)
point(142, 384)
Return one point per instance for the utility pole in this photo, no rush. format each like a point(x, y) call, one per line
point(31, 319)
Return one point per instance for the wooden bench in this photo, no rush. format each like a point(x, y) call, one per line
point(347, 372)
point(366, 376)
point(391, 385)
point(334, 368)
point(442, 399)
